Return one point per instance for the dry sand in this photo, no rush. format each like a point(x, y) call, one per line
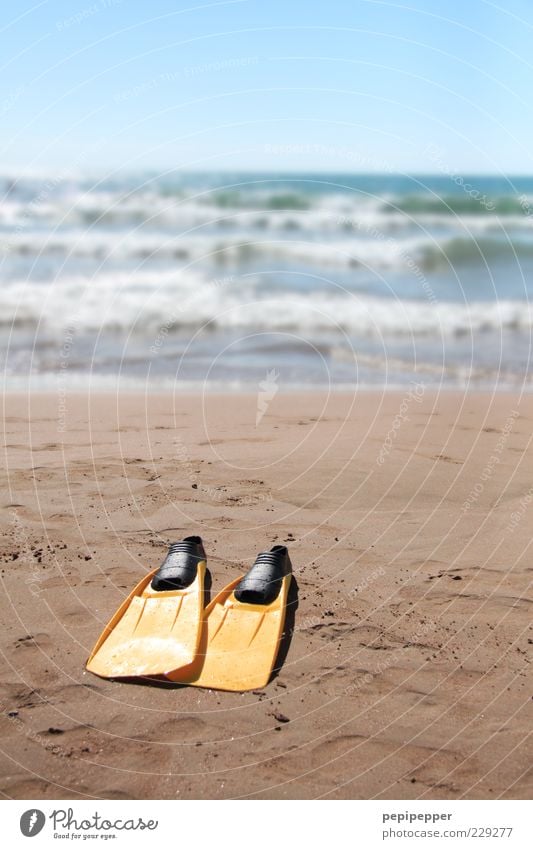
point(408, 675)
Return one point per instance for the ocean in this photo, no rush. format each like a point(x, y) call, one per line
point(223, 281)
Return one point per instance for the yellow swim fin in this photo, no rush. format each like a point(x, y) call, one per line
point(159, 626)
point(244, 627)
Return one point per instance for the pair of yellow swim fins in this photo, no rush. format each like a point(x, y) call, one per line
point(163, 628)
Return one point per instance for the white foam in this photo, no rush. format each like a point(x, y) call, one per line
point(324, 252)
point(186, 298)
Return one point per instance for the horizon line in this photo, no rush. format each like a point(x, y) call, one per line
point(17, 171)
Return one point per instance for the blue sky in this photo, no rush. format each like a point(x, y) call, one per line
point(267, 85)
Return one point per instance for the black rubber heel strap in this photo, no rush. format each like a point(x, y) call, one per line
point(180, 567)
point(263, 582)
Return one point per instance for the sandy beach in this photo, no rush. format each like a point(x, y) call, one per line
point(408, 519)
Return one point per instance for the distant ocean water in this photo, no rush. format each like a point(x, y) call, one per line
point(318, 280)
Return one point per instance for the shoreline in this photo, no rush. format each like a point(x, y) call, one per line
point(251, 389)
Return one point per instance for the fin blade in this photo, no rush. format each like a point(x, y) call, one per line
point(242, 643)
point(157, 632)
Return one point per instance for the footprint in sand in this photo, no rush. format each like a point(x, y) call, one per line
point(32, 642)
point(36, 788)
point(187, 729)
